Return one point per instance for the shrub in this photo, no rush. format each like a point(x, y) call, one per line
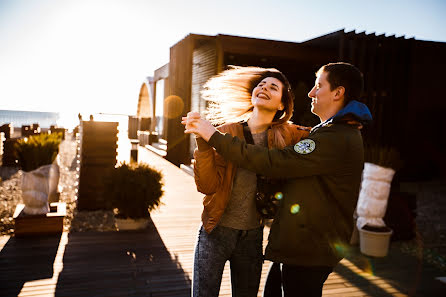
point(134, 190)
point(37, 150)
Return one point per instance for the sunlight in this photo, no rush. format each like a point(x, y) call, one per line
point(79, 57)
point(68, 120)
point(124, 145)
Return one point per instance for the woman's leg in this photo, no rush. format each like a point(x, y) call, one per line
point(273, 285)
point(246, 263)
point(211, 253)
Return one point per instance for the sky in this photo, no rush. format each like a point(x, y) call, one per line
point(92, 56)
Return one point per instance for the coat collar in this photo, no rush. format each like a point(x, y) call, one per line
point(354, 109)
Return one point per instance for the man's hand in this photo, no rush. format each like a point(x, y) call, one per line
point(198, 126)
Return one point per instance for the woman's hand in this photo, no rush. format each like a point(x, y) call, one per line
point(198, 126)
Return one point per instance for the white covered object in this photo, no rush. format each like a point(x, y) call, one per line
point(39, 185)
point(374, 194)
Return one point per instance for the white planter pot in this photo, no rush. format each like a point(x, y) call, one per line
point(374, 244)
point(374, 194)
point(131, 224)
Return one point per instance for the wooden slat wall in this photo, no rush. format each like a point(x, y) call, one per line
point(426, 109)
point(398, 75)
point(204, 66)
point(385, 63)
point(180, 82)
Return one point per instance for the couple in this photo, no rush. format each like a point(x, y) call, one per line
point(320, 172)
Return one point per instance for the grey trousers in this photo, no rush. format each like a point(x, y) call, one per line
point(243, 248)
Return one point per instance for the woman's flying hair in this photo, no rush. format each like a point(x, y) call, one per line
point(229, 94)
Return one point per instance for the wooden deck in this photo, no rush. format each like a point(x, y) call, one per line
point(158, 261)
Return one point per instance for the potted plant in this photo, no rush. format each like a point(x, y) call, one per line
point(36, 156)
point(380, 165)
point(134, 190)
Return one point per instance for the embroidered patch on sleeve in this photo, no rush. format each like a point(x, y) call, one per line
point(305, 146)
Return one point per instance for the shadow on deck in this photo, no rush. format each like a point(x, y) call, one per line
point(128, 263)
point(26, 259)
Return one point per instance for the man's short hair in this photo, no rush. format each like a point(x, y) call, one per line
point(347, 76)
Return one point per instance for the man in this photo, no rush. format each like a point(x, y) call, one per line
point(314, 221)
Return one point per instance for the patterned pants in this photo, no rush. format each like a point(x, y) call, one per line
point(243, 248)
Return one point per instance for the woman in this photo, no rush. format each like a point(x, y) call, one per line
point(249, 102)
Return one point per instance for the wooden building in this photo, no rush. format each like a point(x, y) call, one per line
point(397, 72)
point(193, 60)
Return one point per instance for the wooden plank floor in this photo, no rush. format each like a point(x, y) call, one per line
point(158, 261)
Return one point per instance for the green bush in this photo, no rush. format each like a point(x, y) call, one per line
point(384, 156)
point(134, 190)
point(37, 150)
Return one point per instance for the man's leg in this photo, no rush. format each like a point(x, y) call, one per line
point(273, 285)
point(246, 263)
point(304, 281)
point(211, 253)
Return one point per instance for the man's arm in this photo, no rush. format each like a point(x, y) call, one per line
point(325, 149)
point(317, 155)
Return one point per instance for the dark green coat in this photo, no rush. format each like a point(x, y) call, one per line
point(315, 217)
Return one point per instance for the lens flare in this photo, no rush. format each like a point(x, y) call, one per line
point(173, 106)
point(368, 267)
point(295, 208)
point(278, 196)
point(341, 249)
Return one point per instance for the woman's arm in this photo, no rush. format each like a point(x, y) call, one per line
point(209, 168)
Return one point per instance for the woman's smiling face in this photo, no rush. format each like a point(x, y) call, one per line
point(268, 94)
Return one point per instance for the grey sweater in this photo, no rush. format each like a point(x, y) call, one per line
point(241, 213)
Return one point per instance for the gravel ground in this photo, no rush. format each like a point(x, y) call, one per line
point(431, 207)
point(430, 241)
point(10, 195)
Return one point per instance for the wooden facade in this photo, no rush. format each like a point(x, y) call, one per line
point(397, 73)
point(97, 157)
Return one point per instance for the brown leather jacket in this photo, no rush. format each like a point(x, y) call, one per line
point(214, 175)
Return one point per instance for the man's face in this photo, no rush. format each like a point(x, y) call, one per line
point(322, 97)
